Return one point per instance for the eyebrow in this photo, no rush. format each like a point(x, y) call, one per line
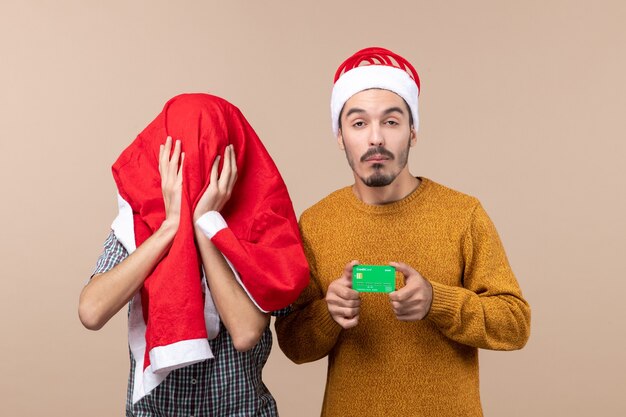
point(393, 110)
point(354, 110)
point(385, 113)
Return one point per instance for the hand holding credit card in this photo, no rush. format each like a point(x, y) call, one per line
point(374, 278)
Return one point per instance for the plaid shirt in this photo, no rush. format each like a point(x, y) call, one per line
point(228, 385)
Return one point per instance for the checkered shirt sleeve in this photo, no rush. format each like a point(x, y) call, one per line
point(113, 254)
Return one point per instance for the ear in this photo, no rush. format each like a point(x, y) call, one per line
point(340, 140)
point(413, 137)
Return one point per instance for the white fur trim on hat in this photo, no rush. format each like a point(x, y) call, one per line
point(373, 76)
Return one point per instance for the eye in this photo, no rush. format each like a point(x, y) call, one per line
point(358, 124)
point(392, 123)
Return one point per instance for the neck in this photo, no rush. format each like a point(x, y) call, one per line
point(402, 186)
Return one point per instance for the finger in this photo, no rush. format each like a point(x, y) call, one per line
point(340, 302)
point(161, 147)
point(402, 294)
point(167, 148)
point(179, 178)
point(163, 159)
point(216, 163)
point(225, 174)
point(350, 294)
point(345, 312)
point(175, 158)
point(399, 307)
point(354, 304)
point(346, 276)
point(405, 270)
point(347, 271)
point(348, 268)
point(348, 323)
point(342, 289)
point(402, 267)
point(411, 314)
point(412, 291)
point(409, 317)
point(233, 169)
point(405, 313)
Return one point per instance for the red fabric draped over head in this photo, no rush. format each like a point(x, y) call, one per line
point(261, 241)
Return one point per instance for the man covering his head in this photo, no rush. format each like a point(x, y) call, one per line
point(205, 246)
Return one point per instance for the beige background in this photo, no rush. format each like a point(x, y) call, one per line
point(522, 105)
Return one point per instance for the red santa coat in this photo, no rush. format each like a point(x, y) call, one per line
point(257, 233)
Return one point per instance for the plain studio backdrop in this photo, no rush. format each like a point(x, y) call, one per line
point(522, 105)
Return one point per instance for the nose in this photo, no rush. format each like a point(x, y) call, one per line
point(376, 136)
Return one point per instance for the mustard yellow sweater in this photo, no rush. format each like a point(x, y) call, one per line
point(385, 367)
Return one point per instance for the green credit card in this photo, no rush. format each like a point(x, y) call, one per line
point(373, 278)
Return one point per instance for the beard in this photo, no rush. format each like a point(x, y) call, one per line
point(378, 178)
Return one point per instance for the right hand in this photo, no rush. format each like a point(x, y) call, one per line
point(344, 303)
point(171, 180)
point(220, 188)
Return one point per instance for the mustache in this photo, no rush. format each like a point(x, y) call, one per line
point(377, 150)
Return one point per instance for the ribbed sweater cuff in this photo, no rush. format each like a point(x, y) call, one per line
point(445, 305)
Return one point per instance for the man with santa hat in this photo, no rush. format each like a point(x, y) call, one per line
point(410, 349)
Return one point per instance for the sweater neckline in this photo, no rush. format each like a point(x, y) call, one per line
point(396, 206)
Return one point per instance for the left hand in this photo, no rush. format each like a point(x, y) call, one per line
point(411, 302)
point(171, 172)
point(220, 188)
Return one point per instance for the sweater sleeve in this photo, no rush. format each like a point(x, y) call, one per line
point(309, 332)
point(488, 311)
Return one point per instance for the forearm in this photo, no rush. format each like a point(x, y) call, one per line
point(107, 293)
point(499, 322)
point(489, 311)
point(307, 334)
point(241, 317)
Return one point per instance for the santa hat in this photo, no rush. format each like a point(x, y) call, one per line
point(172, 315)
point(374, 68)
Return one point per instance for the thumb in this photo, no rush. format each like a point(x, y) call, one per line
point(404, 269)
point(401, 267)
point(347, 273)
